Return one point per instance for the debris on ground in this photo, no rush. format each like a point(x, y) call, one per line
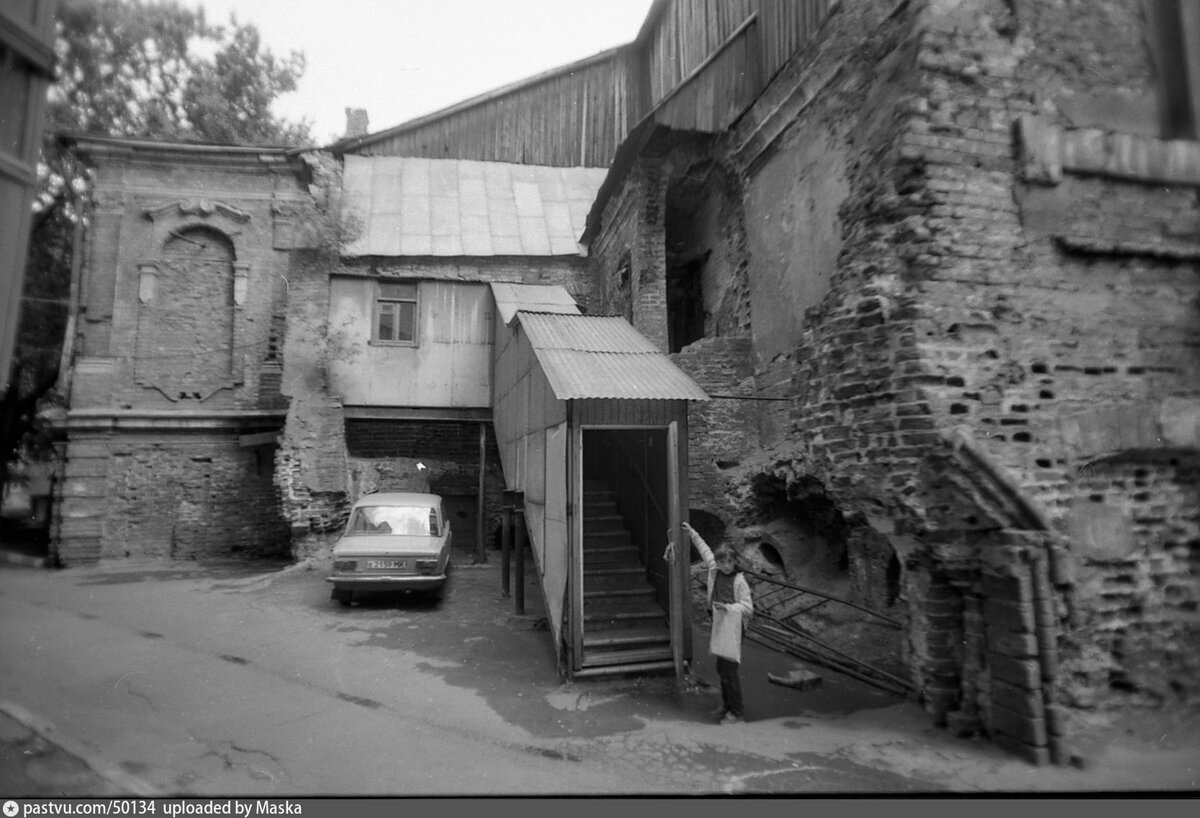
point(800, 679)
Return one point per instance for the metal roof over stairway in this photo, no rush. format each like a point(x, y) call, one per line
point(585, 356)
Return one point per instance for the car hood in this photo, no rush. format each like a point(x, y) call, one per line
point(388, 544)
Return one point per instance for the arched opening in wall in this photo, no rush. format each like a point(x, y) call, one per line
point(689, 243)
point(814, 559)
point(800, 539)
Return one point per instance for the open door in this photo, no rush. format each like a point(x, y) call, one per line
point(679, 567)
point(625, 596)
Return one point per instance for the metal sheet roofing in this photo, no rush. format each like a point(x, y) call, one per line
point(587, 356)
point(410, 206)
point(510, 298)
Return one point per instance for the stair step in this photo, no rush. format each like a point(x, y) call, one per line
point(603, 525)
point(634, 637)
point(602, 538)
point(641, 589)
point(601, 571)
point(622, 616)
point(641, 669)
point(626, 657)
point(618, 555)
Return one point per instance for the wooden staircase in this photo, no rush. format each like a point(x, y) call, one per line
point(625, 630)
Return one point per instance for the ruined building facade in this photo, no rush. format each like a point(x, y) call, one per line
point(935, 264)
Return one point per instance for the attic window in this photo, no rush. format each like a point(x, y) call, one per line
point(396, 314)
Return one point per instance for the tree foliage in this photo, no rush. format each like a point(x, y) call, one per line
point(130, 68)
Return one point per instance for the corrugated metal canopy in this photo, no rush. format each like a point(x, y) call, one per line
point(511, 298)
point(409, 206)
point(587, 356)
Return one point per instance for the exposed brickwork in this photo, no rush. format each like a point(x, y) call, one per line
point(182, 279)
point(192, 499)
point(1046, 317)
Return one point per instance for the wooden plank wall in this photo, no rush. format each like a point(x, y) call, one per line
point(576, 119)
point(580, 117)
point(690, 30)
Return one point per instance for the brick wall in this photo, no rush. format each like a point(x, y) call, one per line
point(971, 275)
point(192, 498)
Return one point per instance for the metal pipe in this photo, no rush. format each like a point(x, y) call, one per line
point(764, 578)
point(519, 596)
point(481, 509)
point(506, 537)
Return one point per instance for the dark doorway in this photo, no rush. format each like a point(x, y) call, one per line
point(626, 590)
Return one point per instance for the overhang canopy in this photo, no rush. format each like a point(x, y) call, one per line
point(587, 356)
point(512, 298)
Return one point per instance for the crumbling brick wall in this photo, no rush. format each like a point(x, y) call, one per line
point(193, 498)
point(182, 278)
point(986, 323)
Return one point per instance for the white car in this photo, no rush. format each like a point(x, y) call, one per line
point(394, 541)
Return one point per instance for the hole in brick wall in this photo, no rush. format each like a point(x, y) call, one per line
point(991, 354)
point(955, 381)
point(1096, 498)
point(958, 409)
point(1043, 463)
point(1047, 394)
point(1136, 370)
point(1022, 437)
point(1039, 369)
point(1020, 407)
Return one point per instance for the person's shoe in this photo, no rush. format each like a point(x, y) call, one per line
point(730, 718)
point(719, 713)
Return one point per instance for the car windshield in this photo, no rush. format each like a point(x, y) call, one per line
point(410, 520)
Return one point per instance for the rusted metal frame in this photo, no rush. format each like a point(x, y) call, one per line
point(791, 628)
point(847, 666)
point(856, 606)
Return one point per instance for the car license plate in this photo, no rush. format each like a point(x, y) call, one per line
point(389, 565)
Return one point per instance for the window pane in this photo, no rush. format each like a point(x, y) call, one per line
point(407, 324)
point(14, 103)
point(387, 322)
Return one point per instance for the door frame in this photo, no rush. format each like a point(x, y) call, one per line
point(677, 587)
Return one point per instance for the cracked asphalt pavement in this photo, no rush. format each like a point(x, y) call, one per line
point(242, 679)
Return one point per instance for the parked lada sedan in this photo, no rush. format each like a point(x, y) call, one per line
point(393, 542)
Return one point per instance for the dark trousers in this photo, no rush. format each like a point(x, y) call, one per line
point(731, 685)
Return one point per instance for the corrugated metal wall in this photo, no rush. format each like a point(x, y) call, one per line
point(530, 426)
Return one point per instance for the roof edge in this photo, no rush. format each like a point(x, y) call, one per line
point(345, 144)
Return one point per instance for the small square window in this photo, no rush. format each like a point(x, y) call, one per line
point(396, 314)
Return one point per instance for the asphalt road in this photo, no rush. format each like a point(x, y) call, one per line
point(238, 680)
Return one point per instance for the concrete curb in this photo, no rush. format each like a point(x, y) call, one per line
point(102, 767)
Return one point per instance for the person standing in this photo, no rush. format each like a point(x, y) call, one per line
point(732, 606)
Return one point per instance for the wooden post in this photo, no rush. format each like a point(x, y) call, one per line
point(520, 546)
point(506, 538)
point(481, 510)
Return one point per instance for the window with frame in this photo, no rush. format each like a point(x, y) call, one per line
point(396, 314)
